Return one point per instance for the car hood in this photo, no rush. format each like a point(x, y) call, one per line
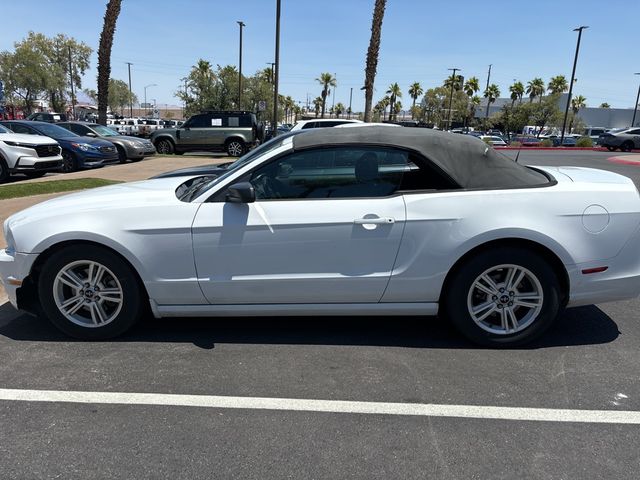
point(102, 201)
point(126, 138)
point(27, 139)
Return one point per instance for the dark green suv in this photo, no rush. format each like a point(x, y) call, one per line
point(232, 132)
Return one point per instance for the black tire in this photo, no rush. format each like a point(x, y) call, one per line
point(122, 154)
point(235, 147)
point(131, 300)
point(4, 171)
point(627, 146)
point(69, 162)
point(35, 174)
point(165, 146)
point(179, 152)
point(611, 149)
point(460, 291)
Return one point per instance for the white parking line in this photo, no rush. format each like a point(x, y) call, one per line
point(327, 406)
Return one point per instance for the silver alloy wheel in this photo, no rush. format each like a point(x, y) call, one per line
point(505, 299)
point(164, 147)
point(87, 293)
point(234, 149)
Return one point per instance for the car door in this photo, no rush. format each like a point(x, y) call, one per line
point(194, 132)
point(325, 228)
point(635, 136)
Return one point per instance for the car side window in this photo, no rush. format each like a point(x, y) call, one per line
point(199, 121)
point(339, 172)
point(17, 128)
point(634, 132)
point(309, 125)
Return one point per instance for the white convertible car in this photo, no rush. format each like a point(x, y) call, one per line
point(361, 221)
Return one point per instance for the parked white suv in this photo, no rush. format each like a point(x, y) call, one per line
point(322, 123)
point(32, 155)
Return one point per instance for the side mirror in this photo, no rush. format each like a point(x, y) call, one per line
point(91, 134)
point(242, 192)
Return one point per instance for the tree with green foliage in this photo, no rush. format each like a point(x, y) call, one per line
point(394, 93)
point(339, 109)
point(491, 93)
point(471, 86)
point(326, 80)
point(605, 105)
point(39, 68)
point(456, 82)
point(535, 88)
point(119, 95)
point(317, 105)
point(415, 90)
point(577, 103)
point(517, 92)
point(558, 84)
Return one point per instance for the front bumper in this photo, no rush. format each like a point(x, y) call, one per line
point(14, 268)
point(38, 164)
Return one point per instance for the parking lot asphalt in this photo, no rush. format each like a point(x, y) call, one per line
point(589, 361)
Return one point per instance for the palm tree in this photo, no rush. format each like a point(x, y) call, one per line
point(396, 108)
point(605, 105)
point(457, 82)
point(517, 91)
point(577, 103)
point(339, 109)
point(326, 80)
point(372, 56)
point(415, 90)
point(535, 88)
point(474, 103)
point(317, 105)
point(384, 103)
point(491, 93)
point(558, 84)
point(104, 57)
point(471, 86)
point(394, 93)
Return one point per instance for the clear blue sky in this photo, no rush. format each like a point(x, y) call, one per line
point(420, 40)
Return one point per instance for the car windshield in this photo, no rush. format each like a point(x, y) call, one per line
point(196, 188)
point(104, 131)
point(4, 130)
point(54, 131)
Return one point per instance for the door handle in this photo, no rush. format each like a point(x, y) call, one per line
point(375, 221)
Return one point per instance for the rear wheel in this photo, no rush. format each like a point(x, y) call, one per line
point(611, 149)
point(165, 146)
point(235, 148)
point(627, 146)
point(89, 292)
point(505, 297)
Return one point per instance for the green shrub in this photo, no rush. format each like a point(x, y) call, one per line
point(515, 144)
point(584, 142)
point(546, 143)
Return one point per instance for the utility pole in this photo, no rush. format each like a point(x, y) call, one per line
point(240, 24)
point(276, 72)
point(453, 81)
point(73, 96)
point(487, 88)
point(573, 75)
point(130, 93)
point(350, 98)
point(635, 107)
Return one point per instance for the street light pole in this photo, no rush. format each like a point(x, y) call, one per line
point(635, 108)
point(573, 75)
point(453, 81)
point(350, 98)
point(276, 73)
point(145, 94)
point(486, 116)
point(240, 24)
point(333, 100)
point(130, 93)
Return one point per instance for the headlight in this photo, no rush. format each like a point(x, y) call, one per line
point(8, 236)
point(13, 144)
point(85, 147)
point(136, 144)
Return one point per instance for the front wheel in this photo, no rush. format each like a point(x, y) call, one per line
point(611, 149)
point(89, 293)
point(69, 162)
point(503, 298)
point(122, 154)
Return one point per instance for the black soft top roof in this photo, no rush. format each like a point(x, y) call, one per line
point(468, 160)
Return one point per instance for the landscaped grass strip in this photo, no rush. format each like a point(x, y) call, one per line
point(16, 190)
